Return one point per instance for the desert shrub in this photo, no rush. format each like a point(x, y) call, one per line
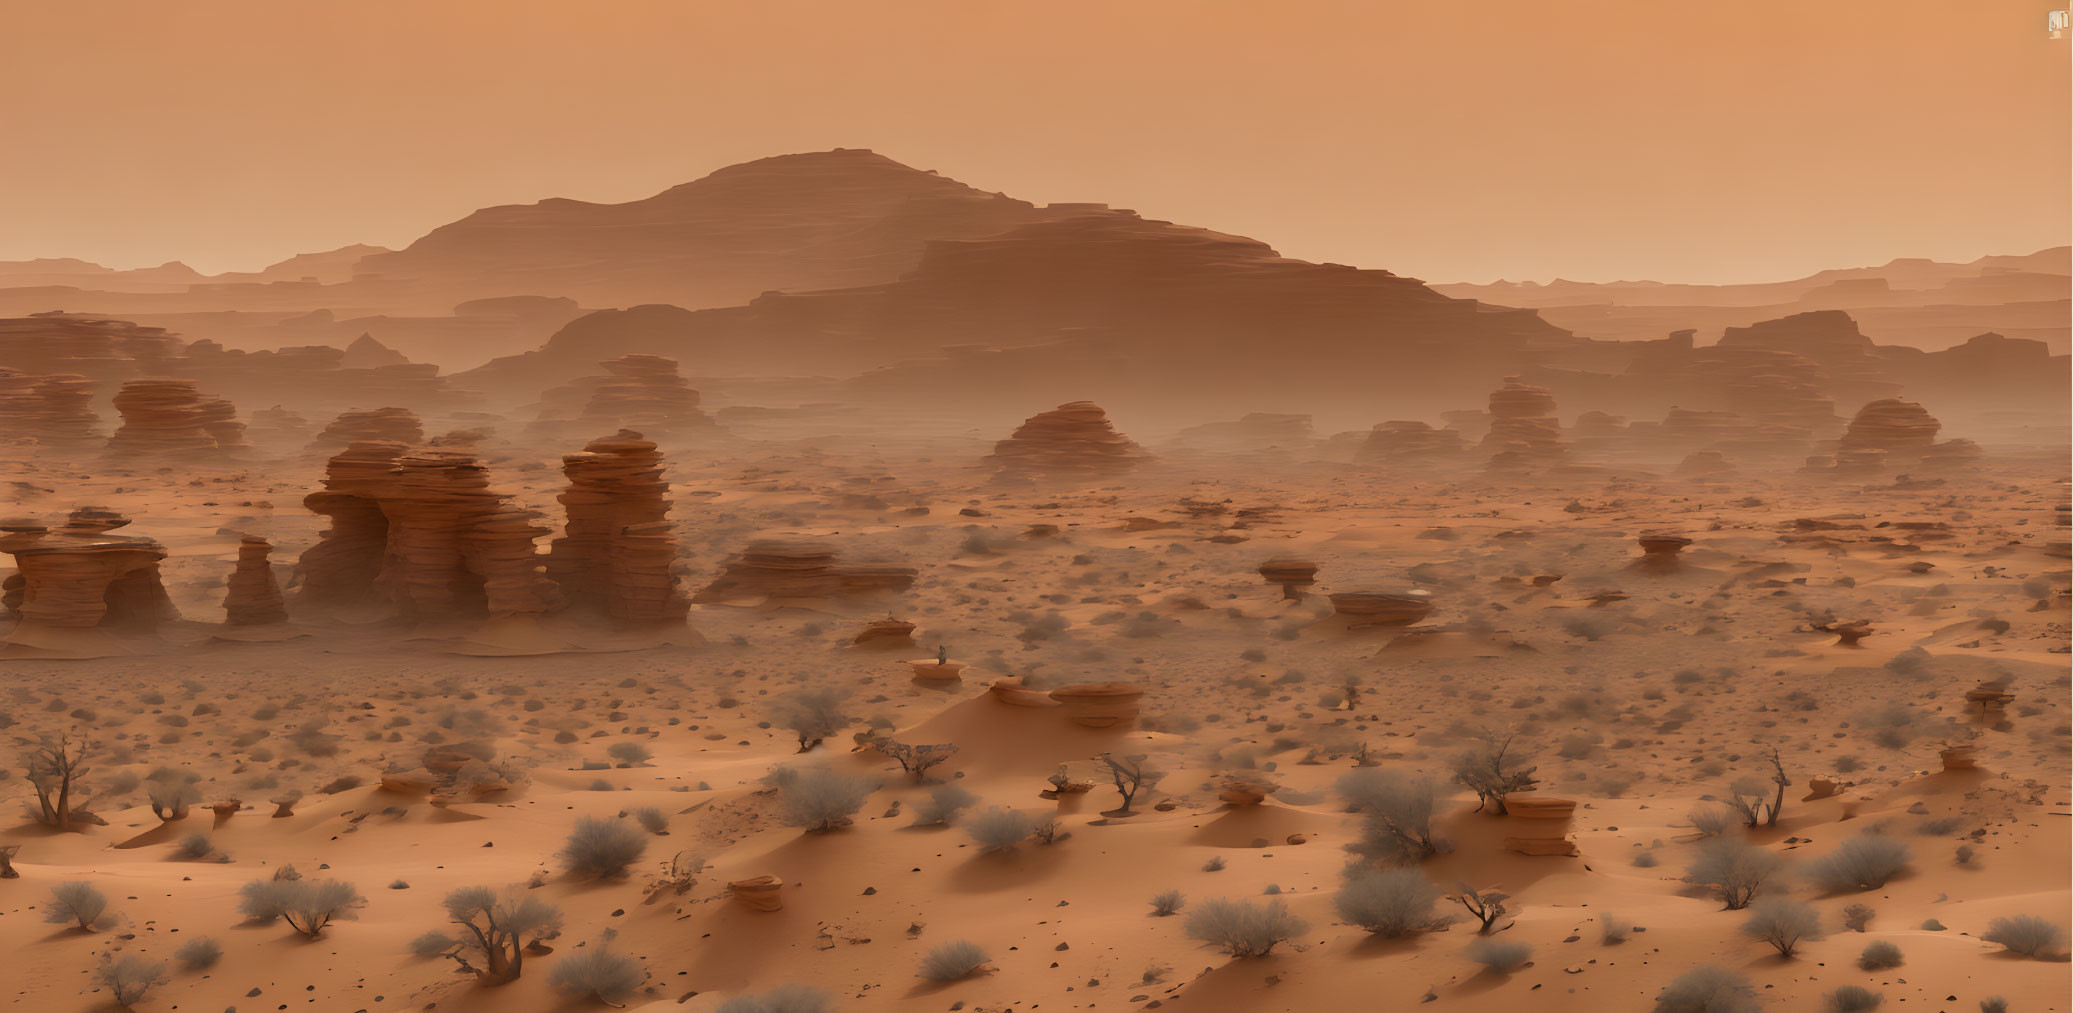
point(1783, 923)
point(1857, 916)
point(782, 999)
point(129, 978)
point(997, 828)
point(1493, 772)
point(953, 961)
point(943, 805)
point(1878, 956)
point(1391, 903)
point(1854, 998)
point(1993, 1004)
point(1168, 902)
point(2028, 935)
point(1396, 810)
point(1707, 989)
point(1711, 820)
point(500, 927)
point(629, 753)
point(819, 800)
point(198, 954)
point(1733, 869)
point(1612, 929)
point(171, 792)
point(601, 848)
point(1502, 956)
point(1863, 862)
point(598, 974)
point(1244, 929)
point(813, 715)
point(1215, 864)
point(651, 819)
point(79, 903)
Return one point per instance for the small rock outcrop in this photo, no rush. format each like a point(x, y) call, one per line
point(619, 544)
point(1074, 441)
point(1539, 825)
point(1898, 428)
point(170, 419)
point(1659, 551)
point(398, 425)
point(793, 568)
point(253, 597)
point(79, 576)
point(1524, 433)
point(1382, 608)
point(52, 411)
point(1292, 574)
point(886, 634)
point(1100, 704)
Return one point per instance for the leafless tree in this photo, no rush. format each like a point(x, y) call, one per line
point(1132, 774)
point(1493, 773)
point(1486, 906)
point(915, 760)
point(55, 768)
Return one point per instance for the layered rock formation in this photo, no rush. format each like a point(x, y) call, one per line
point(1071, 441)
point(1258, 432)
point(396, 425)
point(253, 597)
point(165, 419)
point(619, 544)
point(1898, 428)
point(1407, 442)
point(641, 392)
point(1382, 608)
point(424, 532)
point(79, 576)
point(1524, 433)
point(52, 411)
point(1292, 574)
point(789, 568)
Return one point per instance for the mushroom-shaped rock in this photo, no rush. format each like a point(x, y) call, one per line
point(758, 893)
point(1847, 634)
point(1382, 608)
point(1659, 551)
point(1292, 574)
point(1539, 825)
point(284, 804)
point(1243, 791)
point(1100, 704)
point(79, 576)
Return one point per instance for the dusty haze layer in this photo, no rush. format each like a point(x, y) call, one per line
point(1601, 140)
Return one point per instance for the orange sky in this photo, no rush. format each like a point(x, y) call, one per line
point(1691, 140)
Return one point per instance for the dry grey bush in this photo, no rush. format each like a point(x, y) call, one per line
point(79, 903)
point(819, 800)
point(1864, 862)
point(1244, 929)
point(499, 927)
point(943, 805)
point(1733, 869)
point(129, 978)
point(1783, 923)
point(602, 848)
point(813, 715)
point(782, 999)
point(953, 961)
point(1501, 956)
point(1708, 989)
point(1391, 903)
point(598, 974)
point(1396, 810)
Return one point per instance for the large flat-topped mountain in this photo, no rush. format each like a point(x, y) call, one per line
point(825, 219)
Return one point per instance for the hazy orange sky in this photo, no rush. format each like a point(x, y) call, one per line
point(1690, 140)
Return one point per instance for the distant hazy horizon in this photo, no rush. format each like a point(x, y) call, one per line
point(1595, 140)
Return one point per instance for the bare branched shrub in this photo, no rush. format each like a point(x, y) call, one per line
point(819, 800)
point(1733, 869)
point(1391, 903)
point(171, 792)
point(78, 903)
point(1783, 923)
point(1167, 902)
point(1857, 916)
point(129, 978)
point(1131, 774)
point(1396, 810)
point(602, 848)
point(813, 715)
point(629, 753)
point(55, 769)
point(1708, 989)
point(1242, 928)
point(651, 819)
point(953, 961)
point(1501, 956)
point(1487, 907)
point(1613, 930)
point(2028, 935)
point(1493, 772)
point(1863, 862)
point(496, 929)
point(314, 904)
point(915, 760)
point(599, 974)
